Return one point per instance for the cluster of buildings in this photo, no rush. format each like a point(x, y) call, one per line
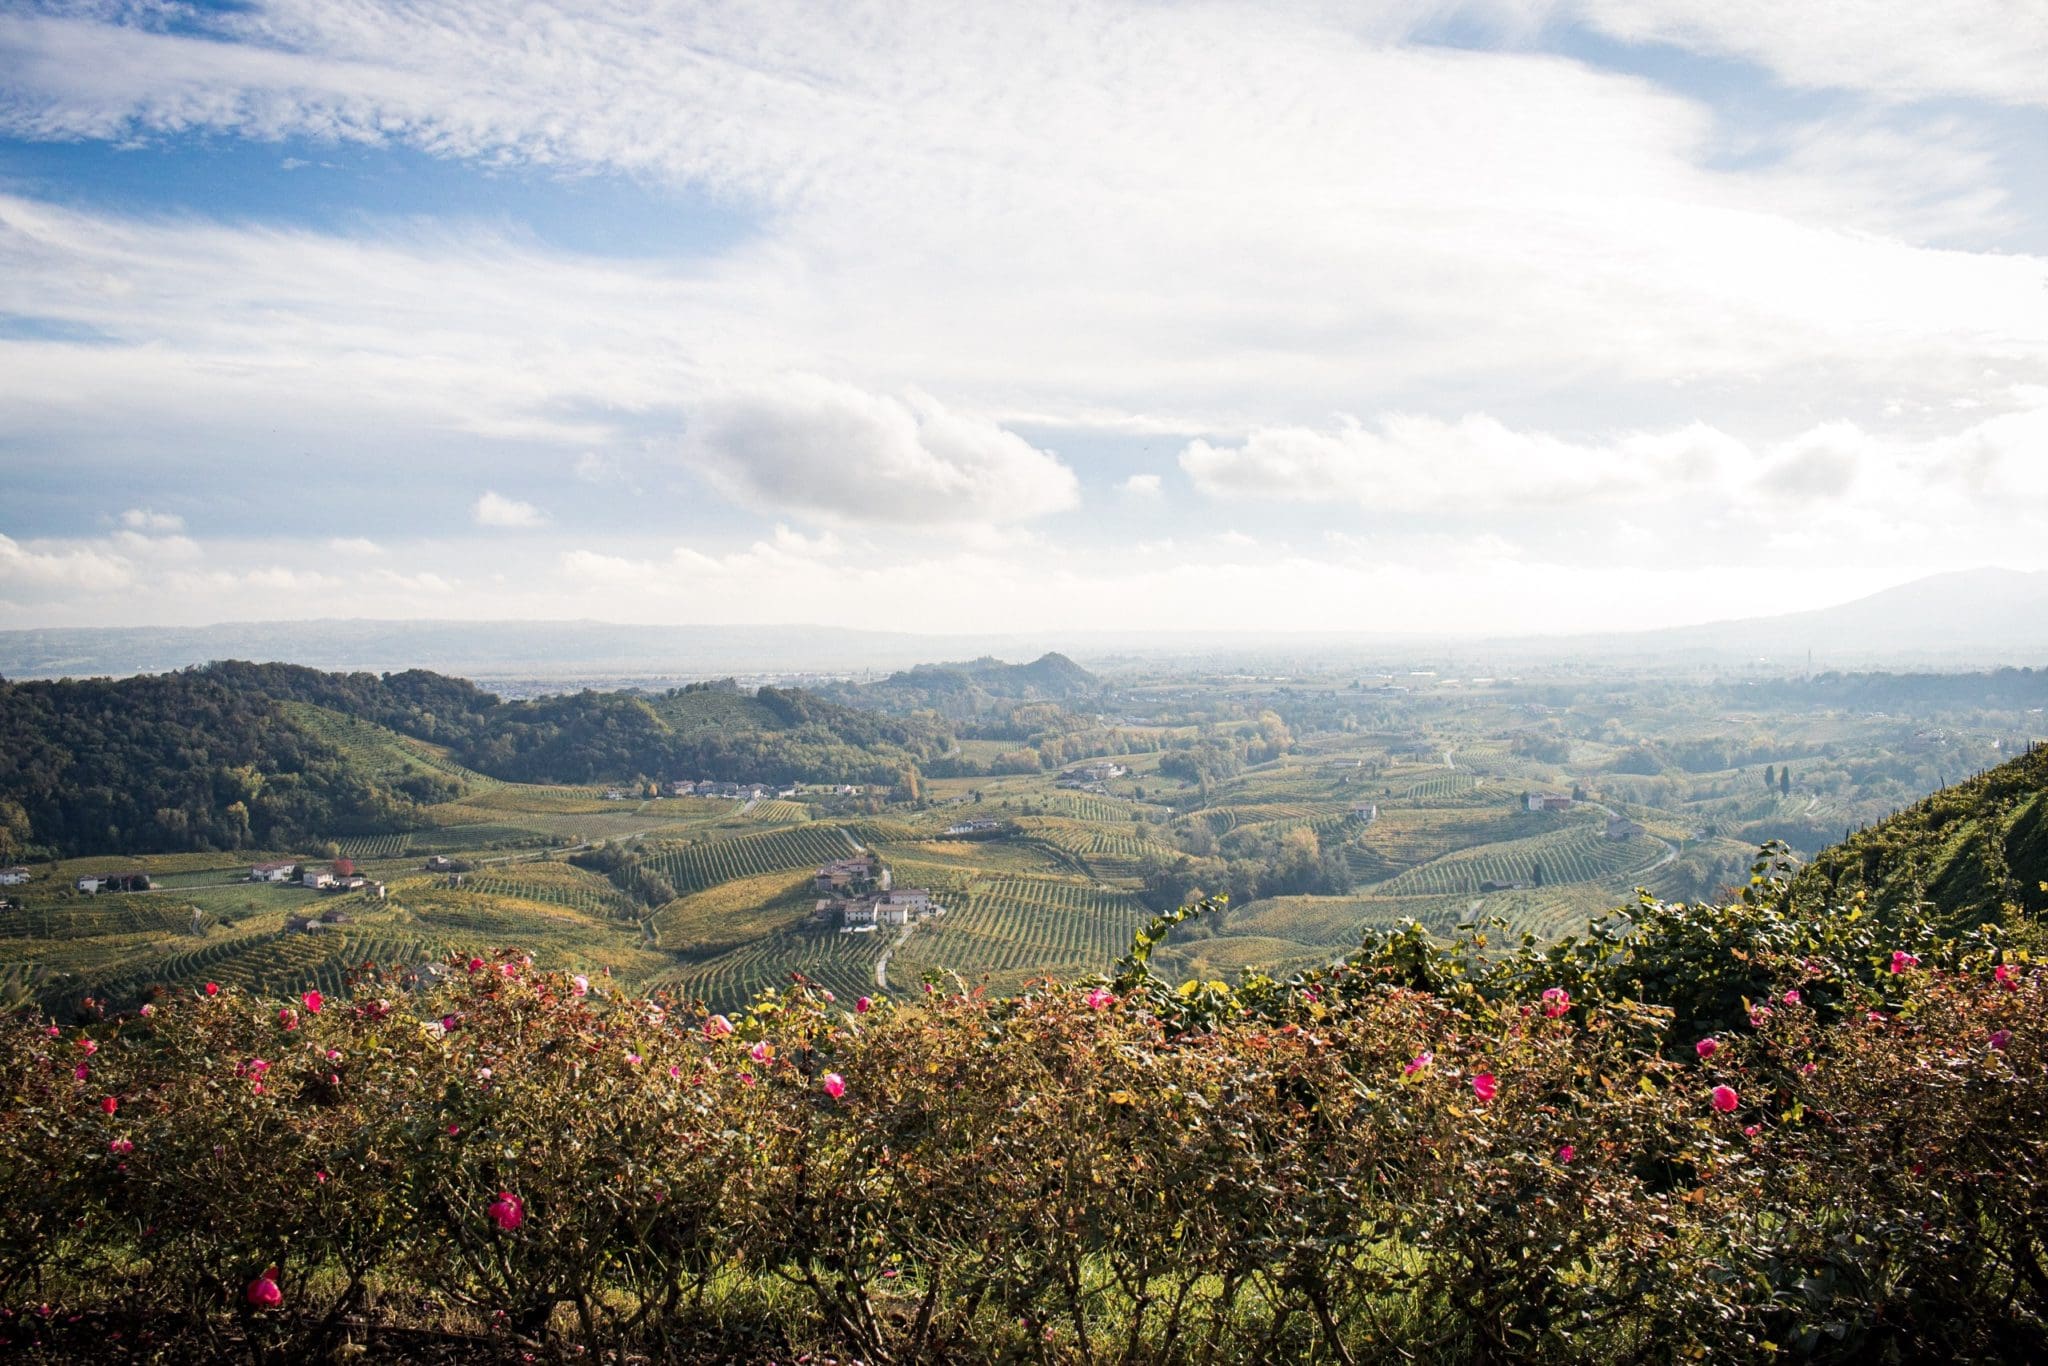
point(728, 792)
point(976, 827)
point(858, 895)
point(341, 878)
point(1090, 777)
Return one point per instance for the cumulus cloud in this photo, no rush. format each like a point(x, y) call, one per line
point(75, 568)
point(841, 454)
point(143, 519)
point(493, 509)
point(1142, 486)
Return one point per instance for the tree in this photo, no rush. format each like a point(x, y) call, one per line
point(1785, 782)
point(14, 830)
point(1770, 775)
point(1536, 872)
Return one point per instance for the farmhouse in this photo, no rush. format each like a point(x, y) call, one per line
point(316, 878)
point(848, 876)
point(1091, 775)
point(1621, 828)
point(13, 877)
point(440, 863)
point(115, 882)
point(974, 827)
point(273, 872)
point(1548, 801)
point(615, 794)
point(1365, 813)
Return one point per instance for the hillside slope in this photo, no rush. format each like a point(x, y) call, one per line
point(975, 687)
point(182, 761)
point(1970, 850)
point(239, 755)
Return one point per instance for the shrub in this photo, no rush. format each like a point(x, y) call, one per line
point(1444, 1153)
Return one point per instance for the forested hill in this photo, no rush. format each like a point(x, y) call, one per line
point(210, 758)
point(976, 687)
point(176, 761)
point(1969, 851)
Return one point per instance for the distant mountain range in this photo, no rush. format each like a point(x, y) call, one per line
point(1972, 617)
point(1967, 619)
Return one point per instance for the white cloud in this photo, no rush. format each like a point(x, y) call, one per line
point(1412, 463)
point(840, 454)
point(1215, 220)
point(1987, 49)
point(493, 509)
point(354, 545)
point(67, 569)
point(143, 519)
point(1210, 211)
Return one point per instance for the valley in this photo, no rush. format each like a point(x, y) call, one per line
point(1051, 810)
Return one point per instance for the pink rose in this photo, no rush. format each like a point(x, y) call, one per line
point(508, 1211)
point(1484, 1086)
point(1707, 1048)
point(835, 1085)
point(1725, 1099)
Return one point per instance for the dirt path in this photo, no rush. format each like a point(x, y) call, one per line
point(882, 963)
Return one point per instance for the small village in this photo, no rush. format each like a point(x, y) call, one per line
point(729, 792)
point(857, 895)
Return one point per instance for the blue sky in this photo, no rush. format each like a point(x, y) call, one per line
point(1560, 314)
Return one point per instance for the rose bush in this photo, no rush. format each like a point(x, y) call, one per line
point(1449, 1153)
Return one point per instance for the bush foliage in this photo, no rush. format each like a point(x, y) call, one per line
point(1722, 1135)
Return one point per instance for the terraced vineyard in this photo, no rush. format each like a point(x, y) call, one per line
point(1582, 853)
point(843, 963)
point(1404, 837)
point(1086, 806)
point(85, 920)
point(775, 811)
point(1439, 789)
point(376, 846)
point(694, 867)
point(557, 884)
point(1114, 851)
point(1016, 928)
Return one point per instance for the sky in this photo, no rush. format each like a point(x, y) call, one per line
point(1499, 316)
